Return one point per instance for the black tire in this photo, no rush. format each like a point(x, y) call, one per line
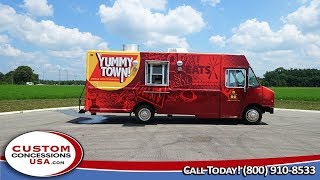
point(144, 113)
point(252, 115)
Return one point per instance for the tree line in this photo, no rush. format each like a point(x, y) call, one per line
point(20, 75)
point(23, 74)
point(292, 78)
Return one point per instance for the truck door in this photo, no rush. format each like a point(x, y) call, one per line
point(233, 92)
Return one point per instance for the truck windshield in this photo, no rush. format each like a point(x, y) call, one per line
point(252, 80)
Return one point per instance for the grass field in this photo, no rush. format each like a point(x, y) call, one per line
point(28, 104)
point(22, 97)
point(293, 104)
point(18, 92)
point(297, 93)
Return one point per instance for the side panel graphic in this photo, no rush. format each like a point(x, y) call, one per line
point(112, 70)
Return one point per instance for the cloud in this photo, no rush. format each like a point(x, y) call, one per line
point(58, 45)
point(210, 2)
point(11, 57)
point(79, 9)
point(71, 61)
point(138, 21)
point(218, 40)
point(257, 36)
point(4, 39)
point(294, 45)
point(313, 51)
point(8, 50)
point(152, 5)
point(307, 17)
point(155, 39)
point(303, 1)
point(68, 54)
point(38, 8)
point(45, 33)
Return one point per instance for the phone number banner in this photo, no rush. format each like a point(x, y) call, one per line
point(272, 168)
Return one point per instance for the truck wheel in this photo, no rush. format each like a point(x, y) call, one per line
point(144, 113)
point(252, 115)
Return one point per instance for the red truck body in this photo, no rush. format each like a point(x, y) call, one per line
point(204, 85)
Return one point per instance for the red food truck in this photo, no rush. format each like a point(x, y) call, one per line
point(200, 84)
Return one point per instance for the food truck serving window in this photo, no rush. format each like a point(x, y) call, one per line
point(157, 73)
point(235, 78)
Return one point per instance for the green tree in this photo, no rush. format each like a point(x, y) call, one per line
point(292, 77)
point(1, 77)
point(8, 78)
point(24, 74)
point(35, 78)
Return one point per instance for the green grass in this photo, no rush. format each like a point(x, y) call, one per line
point(19, 92)
point(27, 104)
point(293, 104)
point(297, 93)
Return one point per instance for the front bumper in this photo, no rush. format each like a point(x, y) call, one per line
point(269, 109)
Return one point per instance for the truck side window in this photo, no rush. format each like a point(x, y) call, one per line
point(252, 80)
point(235, 78)
point(157, 73)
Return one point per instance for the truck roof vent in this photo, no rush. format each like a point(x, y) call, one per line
point(181, 50)
point(131, 47)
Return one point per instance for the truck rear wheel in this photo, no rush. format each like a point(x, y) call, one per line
point(252, 115)
point(144, 113)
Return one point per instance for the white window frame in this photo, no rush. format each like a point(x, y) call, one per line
point(227, 76)
point(151, 62)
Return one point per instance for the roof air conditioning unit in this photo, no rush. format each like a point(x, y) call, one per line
point(131, 47)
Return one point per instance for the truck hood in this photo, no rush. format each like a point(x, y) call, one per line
point(268, 97)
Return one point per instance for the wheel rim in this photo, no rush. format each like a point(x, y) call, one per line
point(252, 115)
point(144, 114)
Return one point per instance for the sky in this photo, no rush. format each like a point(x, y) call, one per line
point(53, 35)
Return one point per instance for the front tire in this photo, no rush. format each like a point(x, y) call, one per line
point(144, 113)
point(252, 115)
